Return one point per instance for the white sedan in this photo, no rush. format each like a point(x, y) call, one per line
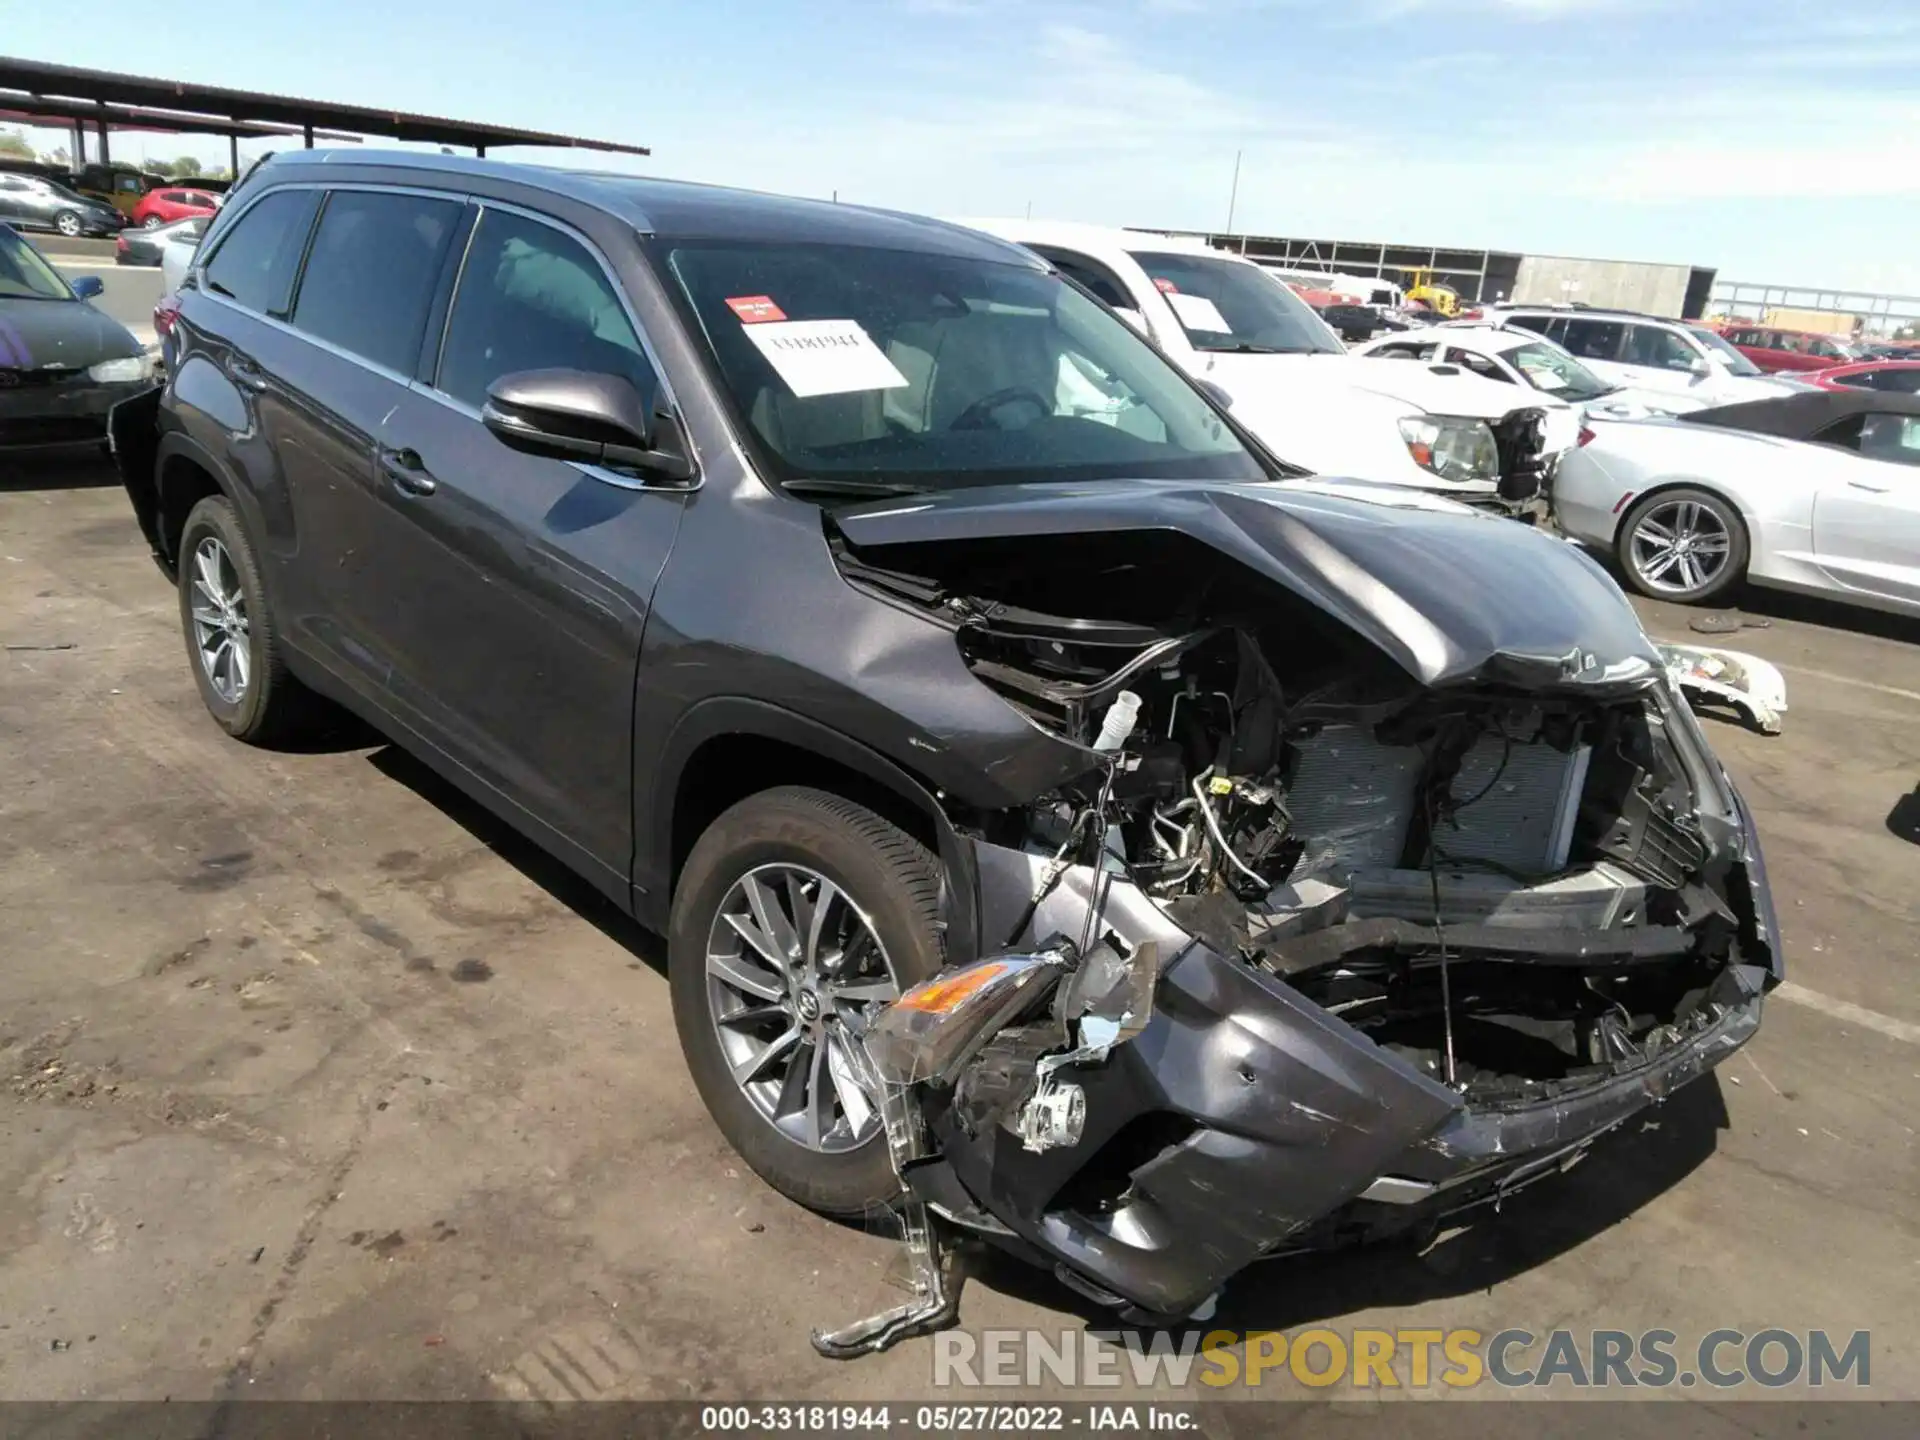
point(1514, 356)
point(1817, 492)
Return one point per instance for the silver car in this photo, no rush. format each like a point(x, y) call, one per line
point(1817, 492)
point(29, 202)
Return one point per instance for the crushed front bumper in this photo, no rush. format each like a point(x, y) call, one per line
point(1245, 1121)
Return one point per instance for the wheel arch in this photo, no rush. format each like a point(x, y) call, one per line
point(184, 475)
point(726, 748)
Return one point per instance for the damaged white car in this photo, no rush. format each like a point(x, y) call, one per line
point(1263, 352)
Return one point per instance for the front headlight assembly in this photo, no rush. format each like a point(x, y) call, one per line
point(1452, 447)
point(115, 372)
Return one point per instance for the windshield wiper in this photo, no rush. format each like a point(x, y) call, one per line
point(851, 489)
point(1244, 348)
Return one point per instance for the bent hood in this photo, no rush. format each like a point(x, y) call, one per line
point(1452, 597)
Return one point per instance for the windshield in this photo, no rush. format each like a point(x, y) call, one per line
point(1549, 368)
point(1737, 364)
point(873, 371)
point(1227, 305)
point(24, 275)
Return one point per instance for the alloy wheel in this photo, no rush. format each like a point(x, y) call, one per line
point(67, 224)
point(220, 621)
point(794, 974)
point(1680, 547)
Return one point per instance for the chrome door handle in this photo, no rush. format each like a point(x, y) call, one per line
point(407, 471)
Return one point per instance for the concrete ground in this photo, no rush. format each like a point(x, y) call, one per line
point(316, 1082)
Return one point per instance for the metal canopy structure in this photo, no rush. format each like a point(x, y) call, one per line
point(167, 122)
point(1478, 275)
point(107, 100)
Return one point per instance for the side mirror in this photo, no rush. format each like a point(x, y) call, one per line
point(1132, 317)
point(88, 287)
point(597, 419)
point(1216, 393)
point(1701, 366)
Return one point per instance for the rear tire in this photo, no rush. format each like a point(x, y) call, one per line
point(152, 222)
point(233, 641)
point(1685, 544)
point(67, 223)
point(832, 1158)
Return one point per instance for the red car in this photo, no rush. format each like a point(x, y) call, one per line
point(157, 207)
point(1900, 377)
point(1774, 350)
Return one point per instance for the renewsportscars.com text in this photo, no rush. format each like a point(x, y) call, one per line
point(1413, 1359)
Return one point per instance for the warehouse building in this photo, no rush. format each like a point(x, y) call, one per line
point(1484, 275)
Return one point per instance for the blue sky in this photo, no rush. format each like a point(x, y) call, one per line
point(1778, 140)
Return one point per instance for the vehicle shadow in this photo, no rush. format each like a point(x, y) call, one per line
point(79, 468)
point(1473, 1252)
point(1815, 610)
point(536, 864)
point(1904, 819)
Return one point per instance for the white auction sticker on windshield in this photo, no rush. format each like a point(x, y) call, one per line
point(824, 357)
point(1197, 312)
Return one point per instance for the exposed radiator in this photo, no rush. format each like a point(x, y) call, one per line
point(1352, 800)
point(1528, 798)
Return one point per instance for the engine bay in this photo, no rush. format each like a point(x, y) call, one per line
point(1509, 888)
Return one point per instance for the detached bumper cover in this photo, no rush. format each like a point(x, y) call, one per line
point(1246, 1121)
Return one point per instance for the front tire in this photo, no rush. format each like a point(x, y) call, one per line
point(233, 640)
point(796, 916)
point(1685, 544)
point(67, 223)
point(152, 222)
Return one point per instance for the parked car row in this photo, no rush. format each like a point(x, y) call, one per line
point(1035, 774)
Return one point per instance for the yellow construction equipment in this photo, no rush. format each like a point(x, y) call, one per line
point(1441, 299)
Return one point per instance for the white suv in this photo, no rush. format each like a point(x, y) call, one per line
point(1647, 352)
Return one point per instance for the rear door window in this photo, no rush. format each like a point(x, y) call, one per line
point(1539, 324)
point(1659, 348)
point(1478, 364)
point(532, 297)
point(1593, 339)
point(1894, 438)
point(369, 279)
point(254, 263)
point(1091, 274)
point(1898, 382)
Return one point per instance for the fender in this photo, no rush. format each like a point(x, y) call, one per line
point(177, 444)
point(656, 786)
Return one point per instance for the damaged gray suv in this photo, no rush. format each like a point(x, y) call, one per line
point(1072, 825)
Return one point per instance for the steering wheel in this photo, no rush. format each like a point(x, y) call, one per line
point(974, 417)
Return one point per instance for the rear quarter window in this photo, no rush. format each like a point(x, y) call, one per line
point(254, 262)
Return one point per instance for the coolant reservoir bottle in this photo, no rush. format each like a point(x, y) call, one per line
point(1119, 722)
